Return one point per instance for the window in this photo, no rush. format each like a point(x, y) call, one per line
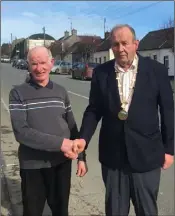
point(155, 57)
point(166, 61)
point(100, 60)
point(104, 58)
point(96, 60)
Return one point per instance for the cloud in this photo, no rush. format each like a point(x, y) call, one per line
point(55, 23)
point(86, 17)
point(29, 14)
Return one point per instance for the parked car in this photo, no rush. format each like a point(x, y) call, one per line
point(14, 61)
point(61, 67)
point(23, 64)
point(83, 71)
point(17, 63)
point(5, 59)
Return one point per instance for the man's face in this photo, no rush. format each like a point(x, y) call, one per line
point(40, 65)
point(124, 46)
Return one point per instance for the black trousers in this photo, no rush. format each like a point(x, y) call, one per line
point(123, 185)
point(51, 184)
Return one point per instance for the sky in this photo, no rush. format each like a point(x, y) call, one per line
point(24, 18)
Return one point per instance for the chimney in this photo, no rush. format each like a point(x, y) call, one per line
point(66, 34)
point(74, 32)
point(107, 34)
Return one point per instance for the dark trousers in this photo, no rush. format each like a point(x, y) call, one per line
point(51, 184)
point(123, 185)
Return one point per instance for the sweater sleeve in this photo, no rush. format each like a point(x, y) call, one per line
point(72, 125)
point(26, 135)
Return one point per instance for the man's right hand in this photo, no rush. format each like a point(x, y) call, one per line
point(68, 149)
point(79, 145)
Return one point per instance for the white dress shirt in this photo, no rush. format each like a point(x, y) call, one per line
point(125, 79)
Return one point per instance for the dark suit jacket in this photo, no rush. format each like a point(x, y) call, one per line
point(138, 141)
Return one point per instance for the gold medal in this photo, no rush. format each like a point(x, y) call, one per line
point(122, 115)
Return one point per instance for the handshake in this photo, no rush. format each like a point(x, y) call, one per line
point(71, 148)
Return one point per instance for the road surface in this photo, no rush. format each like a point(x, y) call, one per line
point(87, 194)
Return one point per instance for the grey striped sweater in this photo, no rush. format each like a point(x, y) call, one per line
point(41, 118)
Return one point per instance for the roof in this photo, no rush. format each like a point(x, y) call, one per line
point(160, 39)
point(105, 45)
point(40, 36)
point(74, 48)
point(89, 39)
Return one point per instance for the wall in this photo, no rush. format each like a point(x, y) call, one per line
point(101, 55)
point(108, 54)
point(34, 43)
point(160, 57)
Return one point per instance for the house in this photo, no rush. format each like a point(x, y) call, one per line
point(83, 50)
point(21, 47)
point(38, 40)
point(159, 45)
point(104, 52)
point(63, 47)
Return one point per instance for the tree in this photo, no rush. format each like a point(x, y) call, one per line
point(59, 49)
point(168, 24)
point(168, 27)
point(5, 49)
point(86, 50)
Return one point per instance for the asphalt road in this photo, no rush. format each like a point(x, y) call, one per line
point(91, 185)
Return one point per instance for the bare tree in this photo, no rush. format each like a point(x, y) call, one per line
point(59, 49)
point(168, 24)
point(168, 32)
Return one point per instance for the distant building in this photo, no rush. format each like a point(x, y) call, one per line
point(104, 52)
point(21, 47)
point(159, 45)
point(66, 47)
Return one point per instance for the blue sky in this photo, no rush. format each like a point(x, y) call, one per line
point(24, 18)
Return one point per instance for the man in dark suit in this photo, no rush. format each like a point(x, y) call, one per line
point(126, 93)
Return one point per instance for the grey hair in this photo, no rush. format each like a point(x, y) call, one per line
point(116, 27)
point(49, 52)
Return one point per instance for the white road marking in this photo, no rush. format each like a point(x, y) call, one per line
point(5, 105)
point(78, 95)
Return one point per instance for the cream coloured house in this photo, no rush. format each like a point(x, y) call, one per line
point(37, 40)
point(159, 45)
point(103, 52)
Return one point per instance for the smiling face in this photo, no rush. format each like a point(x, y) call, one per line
point(124, 46)
point(40, 64)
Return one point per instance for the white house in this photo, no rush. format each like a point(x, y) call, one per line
point(104, 52)
point(159, 45)
point(37, 40)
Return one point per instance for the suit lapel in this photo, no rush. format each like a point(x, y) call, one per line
point(141, 81)
point(113, 93)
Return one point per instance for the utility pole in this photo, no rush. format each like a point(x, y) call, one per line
point(44, 31)
point(11, 45)
point(104, 26)
point(70, 24)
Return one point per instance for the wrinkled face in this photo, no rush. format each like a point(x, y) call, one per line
point(124, 46)
point(40, 65)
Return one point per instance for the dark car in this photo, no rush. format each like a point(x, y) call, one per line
point(22, 64)
point(14, 61)
point(83, 71)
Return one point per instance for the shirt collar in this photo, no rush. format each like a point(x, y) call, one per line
point(132, 67)
point(32, 82)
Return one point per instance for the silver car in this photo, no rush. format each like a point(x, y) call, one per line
point(61, 67)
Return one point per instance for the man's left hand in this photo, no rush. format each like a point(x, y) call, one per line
point(169, 159)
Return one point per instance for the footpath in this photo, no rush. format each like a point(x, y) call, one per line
point(82, 202)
